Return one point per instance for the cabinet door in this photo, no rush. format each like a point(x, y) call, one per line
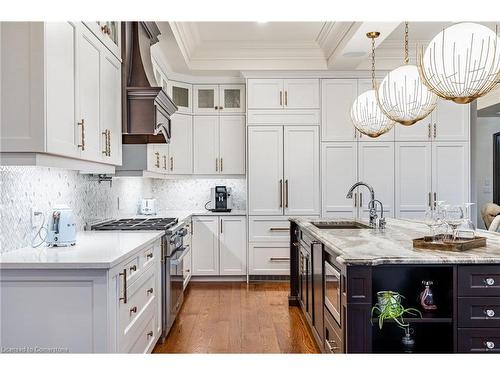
point(232, 144)
point(413, 179)
point(301, 93)
point(163, 150)
point(205, 245)
point(265, 93)
point(420, 131)
point(206, 99)
point(337, 96)
point(111, 109)
point(340, 172)
point(89, 57)
point(233, 245)
point(301, 170)
point(450, 172)
point(153, 156)
point(231, 99)
point(206, 144)
point(452, 121)
point(181, 145)
point(180, 93)
point(265, 170)
point(376, 168)
point(60, 42)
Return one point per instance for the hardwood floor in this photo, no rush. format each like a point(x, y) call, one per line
point(238, 318)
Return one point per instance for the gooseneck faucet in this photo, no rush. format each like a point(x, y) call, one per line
point(374, 223)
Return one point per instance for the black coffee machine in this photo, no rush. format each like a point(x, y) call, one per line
point(221, 199)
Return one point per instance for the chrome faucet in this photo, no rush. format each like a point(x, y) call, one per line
point(374, 222)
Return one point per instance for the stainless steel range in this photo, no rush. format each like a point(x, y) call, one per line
point(173, 252)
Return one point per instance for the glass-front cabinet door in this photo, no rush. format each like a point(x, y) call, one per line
point(180, 93)
point(206, 99)
point(232, 99)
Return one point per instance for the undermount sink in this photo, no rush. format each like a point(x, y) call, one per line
point(339, 225)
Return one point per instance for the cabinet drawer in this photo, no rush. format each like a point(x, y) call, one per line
point(478, 340)
point(146, 338)
point(132, 267)
point(141, 299)
point(147, 258)
point(269, 229)
point(332, 333)
point(479, 312)
point(269, 259)
point(479, 280)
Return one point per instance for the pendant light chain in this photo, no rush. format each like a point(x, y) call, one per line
point(373, 64)
point(407, 58)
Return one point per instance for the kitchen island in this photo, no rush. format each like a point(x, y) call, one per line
point(336, 273)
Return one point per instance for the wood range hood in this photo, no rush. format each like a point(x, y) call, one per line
point(146, 106)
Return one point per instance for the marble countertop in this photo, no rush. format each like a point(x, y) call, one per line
point(394, 245)
point(183, 215)
point(93, 250)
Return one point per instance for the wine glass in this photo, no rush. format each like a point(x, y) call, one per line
point(468, 226)
point(433, 220)
point(454, 218)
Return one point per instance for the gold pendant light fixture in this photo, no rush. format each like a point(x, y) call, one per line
point(402, 95)
point(366, 114)
point(462, 62)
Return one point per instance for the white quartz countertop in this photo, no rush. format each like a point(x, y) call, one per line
point(93, 249)
point(394, 244)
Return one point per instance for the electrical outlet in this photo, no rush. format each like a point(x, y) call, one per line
point(36, 218)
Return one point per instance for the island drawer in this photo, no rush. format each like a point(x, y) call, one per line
point(482, 340)
point(483, 280)
point(332, 333)
point(269, 258)
point(479, 312)
point(269, 229)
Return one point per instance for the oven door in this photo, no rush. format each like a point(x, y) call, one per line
point(332, 291)
point(177, 281)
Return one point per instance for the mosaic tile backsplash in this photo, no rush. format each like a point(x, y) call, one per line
point(39, 188)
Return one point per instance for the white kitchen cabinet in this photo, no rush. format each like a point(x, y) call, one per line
point(219, 99)
point(337, 96)
point(181, 94)
point(376, 168)
point(413, 177)
point(205, 245)
point(206, 99)
point(219, 144)
point(301, 170)
point(279, 93)
point(232, 144)
point(157, 157)
point(451, 121)
point(339, 173)
point(450, 172)
point(420, 131)
point(206, 144)
point(232, 245)
point(265, 170)
point(268, 229)
point(269, 258)
point(180, 157)
point(231, 99)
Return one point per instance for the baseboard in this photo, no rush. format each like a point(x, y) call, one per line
point(195, 279)
point(269, 277)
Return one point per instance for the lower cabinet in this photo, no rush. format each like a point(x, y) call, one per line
point(219, 245)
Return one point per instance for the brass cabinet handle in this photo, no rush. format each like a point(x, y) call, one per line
point(281, 193)
point(149, 291)
point(429, 203)
point(286, 97)
point(279, 259)
point(435, 199)
point(149, 256)
point(82, 124)
point(221, 165)
point(124, 274)
point(221, 226)
point(217, 164)
point(360, 199)
point(281, 97)
point(171, 163)
point(279, 229)
point(429, 132)
point(435, 130)
point(105, 134)
point(286, 193)
point(133, 310)
point(157, 164)
point(150, 334)
point(355, 199)
point(109, 142)
point(164, 162)
point(133, 268)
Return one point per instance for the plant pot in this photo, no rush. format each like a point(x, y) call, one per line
point(387, 297)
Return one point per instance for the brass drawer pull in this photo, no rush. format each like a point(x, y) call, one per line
point(133, 310)
point(279, 259)
point(82, 124)
point(149, 291)
point(124, 274)
point(150, 334)
point(279, 229)
point(281, 97)
point(133, 268)
point(286, 97)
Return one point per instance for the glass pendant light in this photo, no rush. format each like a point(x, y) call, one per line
point(366, 114)
point(402, 95)
point(462, 62)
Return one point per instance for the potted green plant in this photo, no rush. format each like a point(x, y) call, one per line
point(389, 306)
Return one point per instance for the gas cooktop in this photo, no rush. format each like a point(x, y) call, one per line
point(154, 223)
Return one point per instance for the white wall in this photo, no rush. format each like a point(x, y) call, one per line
point(483, 161)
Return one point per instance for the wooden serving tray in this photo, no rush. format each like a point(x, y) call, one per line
point(448, 245)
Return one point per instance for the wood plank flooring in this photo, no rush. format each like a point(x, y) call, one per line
point(235, 317)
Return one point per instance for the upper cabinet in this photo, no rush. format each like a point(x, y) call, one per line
point(219, 99)
point(283, 94)
point(336, 101)
point(109, 33)
point(64, 96)
point(181, 94)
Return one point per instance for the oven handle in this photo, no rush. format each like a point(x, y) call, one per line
point(178, 261)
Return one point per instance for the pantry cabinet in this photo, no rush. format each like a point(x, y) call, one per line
point(219, 245)
point(64, 98)
point(219, 144)
point(219, 99)
point(283, 93)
